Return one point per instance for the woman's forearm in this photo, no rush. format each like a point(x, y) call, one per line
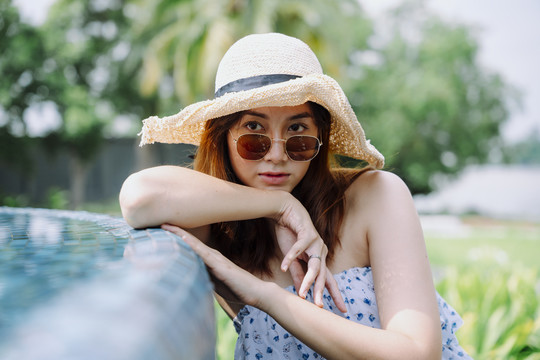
point(335, 337)
point(189, 199)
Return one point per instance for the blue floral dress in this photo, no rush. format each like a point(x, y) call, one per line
point(261, 337)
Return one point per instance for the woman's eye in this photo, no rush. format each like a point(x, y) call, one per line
point(253, 126)
point(297, 127)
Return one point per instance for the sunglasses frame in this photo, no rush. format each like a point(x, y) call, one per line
point(272, 143)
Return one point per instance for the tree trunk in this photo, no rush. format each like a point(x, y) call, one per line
point(77, 181)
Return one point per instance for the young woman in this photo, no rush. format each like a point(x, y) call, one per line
point(273, 218)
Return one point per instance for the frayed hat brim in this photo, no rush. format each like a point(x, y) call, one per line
point(346, 136)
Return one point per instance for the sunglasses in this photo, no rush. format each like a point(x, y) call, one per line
point(297, 147)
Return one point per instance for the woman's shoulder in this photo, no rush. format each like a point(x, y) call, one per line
point(376, 185)
point(369, 200)
point(375, 195)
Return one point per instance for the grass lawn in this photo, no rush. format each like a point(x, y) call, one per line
point(485, 240)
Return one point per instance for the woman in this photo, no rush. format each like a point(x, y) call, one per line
point(271, 218)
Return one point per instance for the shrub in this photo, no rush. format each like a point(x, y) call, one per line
point(500, 308)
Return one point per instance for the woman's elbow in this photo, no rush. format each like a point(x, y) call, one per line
point(134, 198)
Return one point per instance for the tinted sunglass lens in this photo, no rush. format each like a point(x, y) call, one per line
point(302, 148)
point(253, 146)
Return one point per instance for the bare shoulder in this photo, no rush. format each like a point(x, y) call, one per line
point(380, 198)
point(376, 187)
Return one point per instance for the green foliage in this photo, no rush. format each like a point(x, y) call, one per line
point(14, 200)
point(489, 274)
point(526, 152)
point(57, 198)
point(78, 37)
point(77, 61)
point(427, 103)
point(22, 51)
point(500, 307)
point(226, 334)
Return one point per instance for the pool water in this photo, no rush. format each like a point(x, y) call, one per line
point(87, 286)
point(43, 254)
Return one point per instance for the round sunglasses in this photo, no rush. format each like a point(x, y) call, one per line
point(256, 146)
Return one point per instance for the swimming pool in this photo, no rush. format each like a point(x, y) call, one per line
point(77, 285)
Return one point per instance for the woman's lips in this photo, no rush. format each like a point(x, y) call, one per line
point(274, 178)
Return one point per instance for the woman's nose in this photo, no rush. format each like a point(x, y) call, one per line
point(277, 151)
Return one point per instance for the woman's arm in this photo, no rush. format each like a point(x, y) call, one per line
point(405, 292)
point(189, 199)
point(404, 288)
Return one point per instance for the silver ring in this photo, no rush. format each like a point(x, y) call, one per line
point(314, 257)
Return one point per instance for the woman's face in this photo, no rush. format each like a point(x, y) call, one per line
point(275, 171)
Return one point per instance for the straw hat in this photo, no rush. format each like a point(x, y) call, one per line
point(268, 70)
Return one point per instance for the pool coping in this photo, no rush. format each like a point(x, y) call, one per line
point(138, 308)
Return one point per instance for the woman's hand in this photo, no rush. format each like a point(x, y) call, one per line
point(246, 288)
point(298, 239)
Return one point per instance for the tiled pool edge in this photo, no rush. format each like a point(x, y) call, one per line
point(138, 308)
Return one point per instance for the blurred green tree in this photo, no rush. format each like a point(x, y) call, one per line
point(21, 52)
point(79, 61)
point(80, 38)
point(426, 101)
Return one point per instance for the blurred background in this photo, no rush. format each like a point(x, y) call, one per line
point(449, 92)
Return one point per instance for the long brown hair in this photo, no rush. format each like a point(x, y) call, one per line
point(251, 243)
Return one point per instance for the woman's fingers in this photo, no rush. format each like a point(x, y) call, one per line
point(234, 283)
point(175, 230)
point(320, 282)
point(316, 267)
point(312, 245)
point(286, 238)
point(195, 244)
point(333, 290)
point(313, 272)
point(288, 259)
point(297, 273)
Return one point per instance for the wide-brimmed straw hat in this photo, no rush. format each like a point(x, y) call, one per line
point(268, 70)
